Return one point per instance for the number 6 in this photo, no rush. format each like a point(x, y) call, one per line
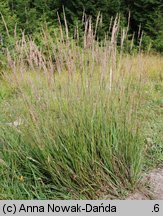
point(156, 208)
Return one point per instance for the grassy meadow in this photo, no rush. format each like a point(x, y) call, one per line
point(78, 122)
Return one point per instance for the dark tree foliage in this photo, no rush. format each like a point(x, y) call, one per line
point(31, 15)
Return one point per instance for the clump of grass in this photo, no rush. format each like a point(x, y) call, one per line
point(79, 139)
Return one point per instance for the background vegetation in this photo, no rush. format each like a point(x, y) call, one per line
point(31, 15)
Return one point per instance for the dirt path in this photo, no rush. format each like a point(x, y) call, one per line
point(154, 180)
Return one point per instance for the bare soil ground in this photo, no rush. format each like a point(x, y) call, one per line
point(153, 183)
